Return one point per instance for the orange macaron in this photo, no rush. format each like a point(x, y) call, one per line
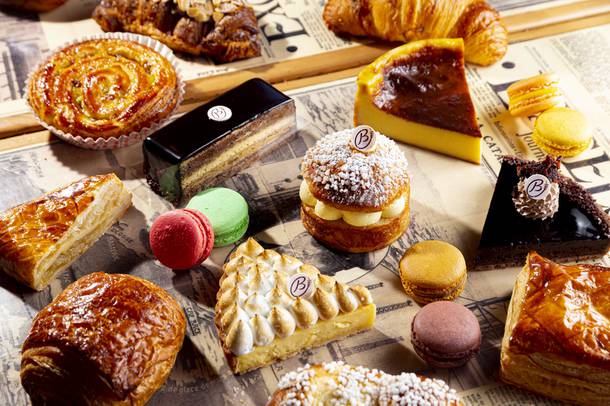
point(534, 95)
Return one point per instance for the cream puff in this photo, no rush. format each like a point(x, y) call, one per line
point(355, 194)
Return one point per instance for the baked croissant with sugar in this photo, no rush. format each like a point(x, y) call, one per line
point(478, 23)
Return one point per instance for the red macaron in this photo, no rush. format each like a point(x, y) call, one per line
point(181, 239)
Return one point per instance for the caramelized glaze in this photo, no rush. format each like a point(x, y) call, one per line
point(429, 87)
point(566, 311)
point(104, 88)
point(29, 230)
point(121, 324)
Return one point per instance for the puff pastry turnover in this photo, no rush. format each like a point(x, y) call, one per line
point(479, 24)
point(40, 238)
point(557, 336)
point(107, 339)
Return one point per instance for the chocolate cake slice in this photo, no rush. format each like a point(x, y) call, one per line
point(578, 230)
point(217, 140)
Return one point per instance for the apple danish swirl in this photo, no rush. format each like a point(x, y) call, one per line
point(104, 88)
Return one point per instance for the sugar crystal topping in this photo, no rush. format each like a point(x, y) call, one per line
point(356, 385)
point(343, 175)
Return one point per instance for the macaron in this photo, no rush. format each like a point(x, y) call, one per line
point(227, 211)
point(534, 95)
point(433, 270)
point(445, 334)
point(181, 239)
point(562, 132)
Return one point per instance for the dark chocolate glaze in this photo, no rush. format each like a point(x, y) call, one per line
point(579, 229)
point(195, 132)
point(429, 87)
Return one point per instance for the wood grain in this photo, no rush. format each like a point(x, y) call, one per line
point(344, 63)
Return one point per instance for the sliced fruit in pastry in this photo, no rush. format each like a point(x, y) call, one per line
point(418, 94)
point(40, 238)
point(271, 306)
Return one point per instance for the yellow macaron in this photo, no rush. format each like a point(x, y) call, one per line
point(433, 270)
point(534, 95)
point(564, 132)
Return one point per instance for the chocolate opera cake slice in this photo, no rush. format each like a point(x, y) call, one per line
point(536, 208)
point(217, 140)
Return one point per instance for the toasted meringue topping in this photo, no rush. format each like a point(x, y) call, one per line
point(239, 339)
point(347, 300)
point(325, 282)
point(250, 249)
point(257, 304)
point(363, 294)
point(233, 313)
point(254, 304)
point(263, 332)
point(278, 297)
point(282, 322)
point(305, 313)
point(326, 303)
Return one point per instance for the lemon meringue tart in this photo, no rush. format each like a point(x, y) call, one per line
point(355, 190)
point(271, 306)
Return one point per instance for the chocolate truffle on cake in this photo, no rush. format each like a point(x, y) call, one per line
point(355, 190)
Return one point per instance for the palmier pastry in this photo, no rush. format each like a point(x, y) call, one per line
point(38, 6)
point(479, 24)
point(225, 30)
point(355, 200)
point(271, 306)
point(337, 383)
point(557, 336)
point(107, 339)
point(104, 88)
point(40, 238)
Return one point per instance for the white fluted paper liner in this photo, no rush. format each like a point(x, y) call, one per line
point(126, 139)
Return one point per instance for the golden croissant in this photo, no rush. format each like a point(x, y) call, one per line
point(479, 24)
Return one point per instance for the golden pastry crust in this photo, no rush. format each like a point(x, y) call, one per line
point(557, 336)
point(104, 88)
point(343, 384)
point(339, 235)
point(38, 239)
point(479, 24)
point(230, 33)
point(106, 339)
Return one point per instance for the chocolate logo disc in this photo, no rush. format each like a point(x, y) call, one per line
point(364, 138)
point(219, 113)
point(537, 187)
point(300, 285)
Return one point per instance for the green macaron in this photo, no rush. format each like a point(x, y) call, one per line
point(227, 211)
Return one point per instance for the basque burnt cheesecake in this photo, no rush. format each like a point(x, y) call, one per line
point(355, 190)
point(271, 306)
point(418, 94)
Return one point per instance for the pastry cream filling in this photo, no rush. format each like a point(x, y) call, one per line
point(353, 218)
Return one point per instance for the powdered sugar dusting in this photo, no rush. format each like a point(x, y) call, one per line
point(356, 385)
point(342, 175)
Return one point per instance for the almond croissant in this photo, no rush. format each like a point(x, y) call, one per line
point(479, 24)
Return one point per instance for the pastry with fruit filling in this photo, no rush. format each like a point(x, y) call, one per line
point(418, 94)
point(271, 306)
point(557, 335)
point(353, 200)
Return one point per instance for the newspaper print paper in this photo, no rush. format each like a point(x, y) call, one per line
point(450, 199)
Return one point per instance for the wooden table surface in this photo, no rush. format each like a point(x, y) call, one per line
point(23, 130)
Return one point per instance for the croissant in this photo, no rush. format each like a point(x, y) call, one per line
point(479, 24)
point(107, 339)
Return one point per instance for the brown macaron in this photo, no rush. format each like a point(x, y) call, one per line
point(433, 270)
point(445, 334)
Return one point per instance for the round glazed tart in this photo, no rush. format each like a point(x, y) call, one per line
point(106, 92)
